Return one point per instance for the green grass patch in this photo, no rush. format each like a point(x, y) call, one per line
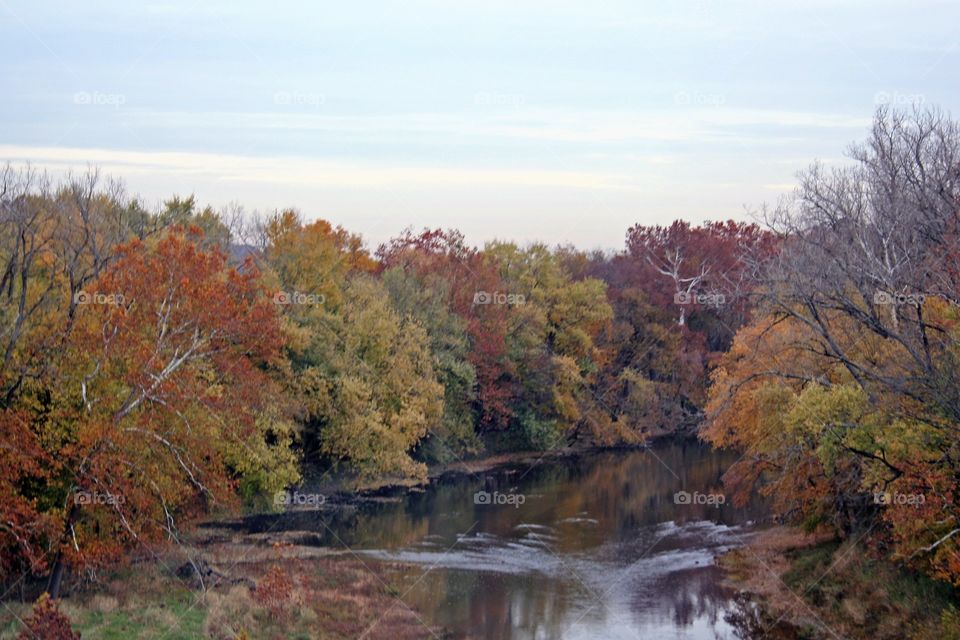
point(173, 619)
point(872, 598)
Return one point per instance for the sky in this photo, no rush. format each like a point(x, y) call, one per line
point(562, 122)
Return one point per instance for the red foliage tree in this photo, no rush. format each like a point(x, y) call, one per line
point(470, 275)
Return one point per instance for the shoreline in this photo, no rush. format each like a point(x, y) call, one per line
point(756, 570)
point(336, 494)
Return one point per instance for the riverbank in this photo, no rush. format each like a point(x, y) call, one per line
point(825, 588)
point(243, 592)
point(344, 490)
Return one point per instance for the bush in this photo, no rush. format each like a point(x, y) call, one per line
point(275, 592)
point(48, 622)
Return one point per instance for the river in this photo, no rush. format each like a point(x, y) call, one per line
point(601, 545)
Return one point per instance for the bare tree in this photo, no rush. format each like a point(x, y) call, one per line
point(867, 243)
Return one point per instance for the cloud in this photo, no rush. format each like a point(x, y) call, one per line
point(299, 170)
point(683, 123)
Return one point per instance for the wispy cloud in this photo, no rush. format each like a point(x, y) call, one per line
point(300, 170)
point(677, 124)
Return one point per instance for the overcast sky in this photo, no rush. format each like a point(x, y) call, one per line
point(528, 119)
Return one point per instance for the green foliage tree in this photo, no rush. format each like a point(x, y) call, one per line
point(374, 388)
point(427, 300)
point(553, 327)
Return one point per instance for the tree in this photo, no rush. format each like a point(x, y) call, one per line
point(646, 387)
point(360, 371)
point(471, 276)
point(375, 393)
point(554, 323)
point(53, 241)
point(704, 272)
point(427, 300)
point(160, 390)
point(847, 384)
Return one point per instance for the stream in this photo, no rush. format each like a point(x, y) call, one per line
point(610, 544)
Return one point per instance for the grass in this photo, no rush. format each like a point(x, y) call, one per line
point(176, 621)
point(816, 583)
point(283, 595)
point(860, 594)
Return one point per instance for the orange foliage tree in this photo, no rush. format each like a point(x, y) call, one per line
point(160, 401)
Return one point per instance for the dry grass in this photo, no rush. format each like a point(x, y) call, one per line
point(271, 591)
point(827, 589)
point(304, 591)
point(102, 603)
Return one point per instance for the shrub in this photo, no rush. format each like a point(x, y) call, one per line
point(275, 591)
point(48, 622)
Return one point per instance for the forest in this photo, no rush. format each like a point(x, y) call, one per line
point(163, 367)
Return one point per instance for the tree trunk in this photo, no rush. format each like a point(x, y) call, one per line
point(55, 580)
point(56, 577)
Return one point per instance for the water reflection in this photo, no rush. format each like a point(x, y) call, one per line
point(598, 549)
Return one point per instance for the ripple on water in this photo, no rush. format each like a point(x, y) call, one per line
point(654, 552)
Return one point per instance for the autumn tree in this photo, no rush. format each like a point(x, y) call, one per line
point(471, 276)
point(426, 298)
point(646, 387)
point(704, 273)
point(360, 372)
point(374, 391)
point(159, 405)
point(846, 385)
point(54, 241)
point(554, 321)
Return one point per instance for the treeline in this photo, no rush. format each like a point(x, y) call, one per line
point(158, 365)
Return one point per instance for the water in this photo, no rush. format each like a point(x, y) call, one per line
point(599, 548)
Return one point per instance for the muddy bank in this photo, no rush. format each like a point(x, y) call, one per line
point(341, 489)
